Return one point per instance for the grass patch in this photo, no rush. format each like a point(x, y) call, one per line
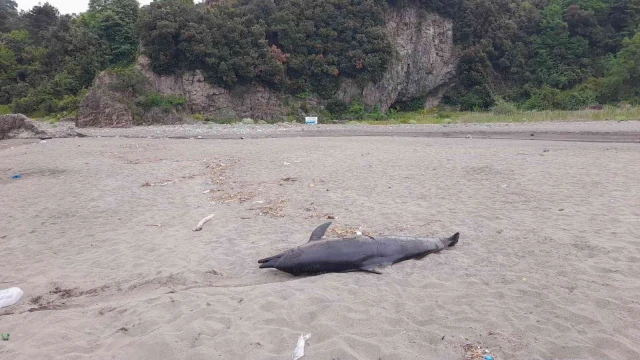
point(508, 115)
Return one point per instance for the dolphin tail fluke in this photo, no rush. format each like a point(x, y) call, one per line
point(454, 239)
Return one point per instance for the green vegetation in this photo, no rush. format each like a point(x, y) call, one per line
point(620, 113)
point(164, 102)
point(543, 55)
point(48, 59)
point(295, 45)
point(517, 55)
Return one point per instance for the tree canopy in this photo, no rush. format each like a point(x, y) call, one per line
point(539, 54)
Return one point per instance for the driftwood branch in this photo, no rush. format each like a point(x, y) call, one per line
point(202, 222)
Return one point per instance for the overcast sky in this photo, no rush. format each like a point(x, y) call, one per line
point(64, 6)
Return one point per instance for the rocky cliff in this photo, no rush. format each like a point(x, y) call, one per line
point(424, 62)
point(255, 101)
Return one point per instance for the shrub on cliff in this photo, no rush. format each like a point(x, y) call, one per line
point(297, 45)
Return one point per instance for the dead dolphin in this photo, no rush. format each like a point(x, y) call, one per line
point(360, 253)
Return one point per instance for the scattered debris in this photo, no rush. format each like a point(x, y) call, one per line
point(272, 209)
point(286, 163)
point(5, 336)
point(206, 191)
point(560, 209)
point(240, 196)
point(469, 137)
point(17, 176)
point(347, 231)
point(202, 222)
point(475, 352)
point(158, 225)
point(545, 150)
point(299, 350)
point(163, 183)
point(331, 217)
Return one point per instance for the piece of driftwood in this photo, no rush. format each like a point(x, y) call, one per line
point(202, 222)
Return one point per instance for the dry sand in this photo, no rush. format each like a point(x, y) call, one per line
point(98, 234)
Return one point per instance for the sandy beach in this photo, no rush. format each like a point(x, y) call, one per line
point(98, 235)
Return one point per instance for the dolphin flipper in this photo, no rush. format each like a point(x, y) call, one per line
point(370, 270)
point(318, 233)
point(454, 239)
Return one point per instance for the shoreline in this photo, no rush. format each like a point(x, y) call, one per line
point(587, 131)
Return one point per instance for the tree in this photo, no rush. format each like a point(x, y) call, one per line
point(623, 77)
point(115, 21)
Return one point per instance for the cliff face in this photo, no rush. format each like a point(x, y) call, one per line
point(102, 107)
point(255, 101)
point(424, 62)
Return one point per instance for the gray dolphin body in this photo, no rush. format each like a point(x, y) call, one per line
point(360, 253)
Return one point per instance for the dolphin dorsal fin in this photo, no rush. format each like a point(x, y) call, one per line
point(318, 233)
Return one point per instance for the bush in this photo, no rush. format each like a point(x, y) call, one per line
point(411, 105)
point(337, 107)
point(68, 103)
point(548, 98)
point(356, 110)
point(129, 80)
point(376, 114)
point(503, 108)
point(165, 102)
point(28, 105)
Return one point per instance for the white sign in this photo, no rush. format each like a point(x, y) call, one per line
point(311, 120)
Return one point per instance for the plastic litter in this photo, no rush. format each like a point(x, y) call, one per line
point(299, 351)
point(16, 176)
point(10, 296)
point(5, 336)
point(487, 357)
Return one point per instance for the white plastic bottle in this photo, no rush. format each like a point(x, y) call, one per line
point(10, 296)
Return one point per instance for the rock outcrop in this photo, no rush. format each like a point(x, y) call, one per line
point(255, 101)
point(102, 107)
point(424, 62)
point(18, 126)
